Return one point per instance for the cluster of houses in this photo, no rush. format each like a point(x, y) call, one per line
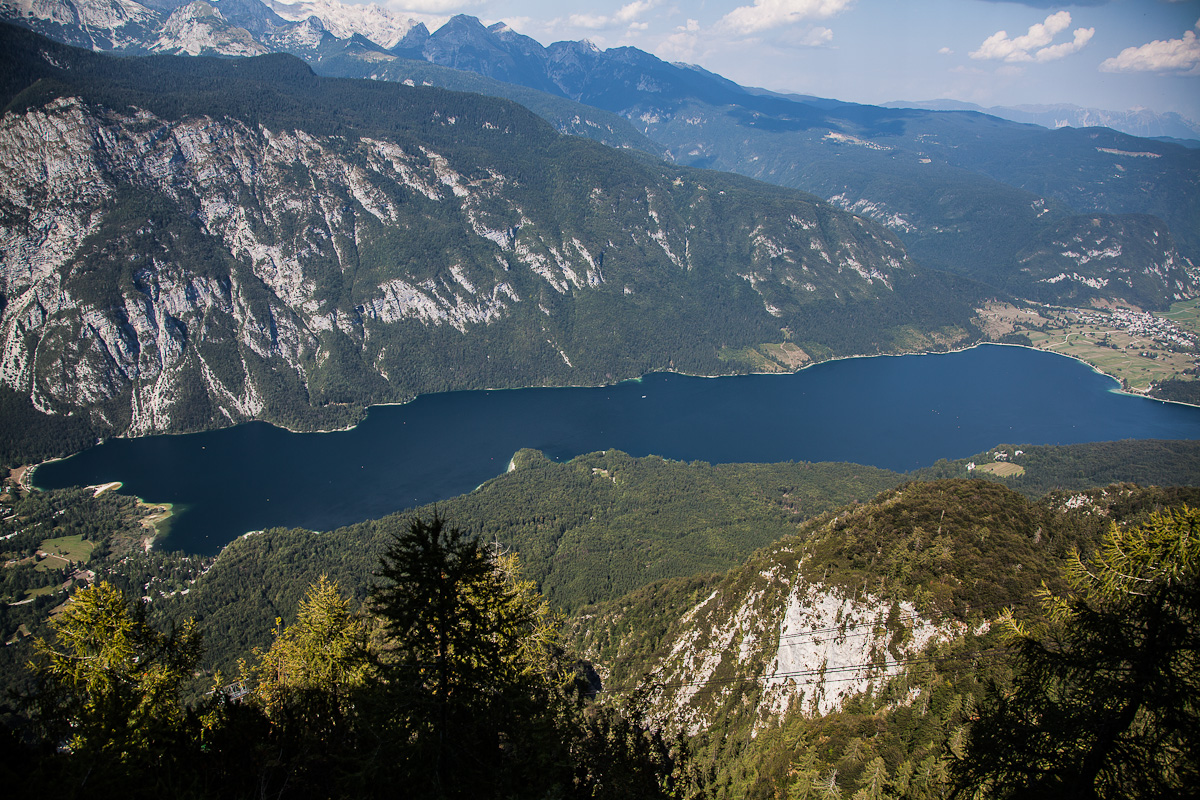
point(1141, 323)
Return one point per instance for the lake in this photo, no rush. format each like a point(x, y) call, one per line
point(897, 412)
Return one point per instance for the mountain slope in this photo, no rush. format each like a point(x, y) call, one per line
point(1135, 122)
point(869, 633)
point(190, 241)
point(965, 192)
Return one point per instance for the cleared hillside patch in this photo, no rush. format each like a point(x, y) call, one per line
point(69, 548)
point(1002, 469)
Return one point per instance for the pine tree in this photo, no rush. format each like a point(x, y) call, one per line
point(310, 672)
point(470, 650)
point(1105, 701)
point(109, 684)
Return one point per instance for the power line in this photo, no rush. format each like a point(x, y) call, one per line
point(988, 653)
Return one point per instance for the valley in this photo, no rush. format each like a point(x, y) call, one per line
point(1139, 349)
point(870, 555)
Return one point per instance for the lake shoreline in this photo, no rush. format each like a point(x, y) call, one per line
point(1119, 389)
point(886, 412)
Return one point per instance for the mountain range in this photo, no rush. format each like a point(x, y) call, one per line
point(268, 301)
point(1135, 121)
point(192, 241)
point(1017, 206)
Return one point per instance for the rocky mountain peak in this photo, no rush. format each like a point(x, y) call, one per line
point(200, 29)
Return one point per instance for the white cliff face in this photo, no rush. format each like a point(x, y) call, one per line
point(343, 20)
point(199, 29)
point(318, 203)
point(832, 647)
point(56, 192)
point(808, 647)
point(145, 261)
point(115, 24)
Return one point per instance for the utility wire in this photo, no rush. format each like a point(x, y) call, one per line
point(841, 635)
point(985, 654)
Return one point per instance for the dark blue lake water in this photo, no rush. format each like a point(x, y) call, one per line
point(895, 412)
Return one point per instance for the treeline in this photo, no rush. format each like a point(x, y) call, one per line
point(29, 436)
point(1075, 467)
point(1178, 391)
point(450, 682)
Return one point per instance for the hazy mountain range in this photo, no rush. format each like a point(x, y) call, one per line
point(1135, 121)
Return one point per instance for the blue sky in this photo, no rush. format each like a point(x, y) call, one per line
point(1111, 54)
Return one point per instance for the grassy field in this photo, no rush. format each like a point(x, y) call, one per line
point(1003, 469)
point(782, 357)
point(54, 563)
point(1135, 360)
point(1185, 314)
point(1124, 356)
point(1100, 338)
point(787, 355)
point(69, 548)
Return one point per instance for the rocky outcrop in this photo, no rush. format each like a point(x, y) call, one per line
point(158, 268)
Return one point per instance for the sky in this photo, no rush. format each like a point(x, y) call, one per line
point(1107, 54)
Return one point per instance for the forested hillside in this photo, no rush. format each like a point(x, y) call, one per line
point(1041, 469)
point(858, 653)
point(868, 649)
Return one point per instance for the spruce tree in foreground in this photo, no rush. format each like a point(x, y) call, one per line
point(108, 692)
point(480, 697)
point(1105, 701)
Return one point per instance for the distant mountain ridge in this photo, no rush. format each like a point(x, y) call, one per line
point(967, 193)
point(1136, 121)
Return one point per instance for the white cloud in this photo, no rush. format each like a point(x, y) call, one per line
point(1055, 52)
point(589, 21)
point(1035, 45)
point(628, 15)
point(766, 14)
point(631, 12)
point(945, 51)
point(817, 37)
point(682, 44)
point(1172, 55)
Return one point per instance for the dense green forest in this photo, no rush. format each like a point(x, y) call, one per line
point(1047, 468)
point(589, 530)
point(1178, 390)
point(452, 678)
point(970, 553)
